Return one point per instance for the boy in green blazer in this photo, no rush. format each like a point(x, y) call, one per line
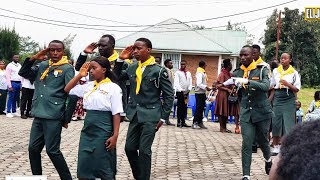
point(48, 106)
point(145, 110)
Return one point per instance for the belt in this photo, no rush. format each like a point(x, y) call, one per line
point(16, 81)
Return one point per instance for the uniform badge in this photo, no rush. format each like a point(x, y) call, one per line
point(56, 72)
point(255, 78)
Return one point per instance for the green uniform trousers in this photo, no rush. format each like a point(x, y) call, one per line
point(47, 132)
point(140, 137)
point(249, 131)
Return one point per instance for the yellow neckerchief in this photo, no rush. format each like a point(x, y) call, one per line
point(290, 70)
point(259, 60)
point(129, 61)
point(246, 70)
point(201, 70)
point(114, 56)
point(317, 103)
point(148, 62)
point(62, 61)
point(97, 84)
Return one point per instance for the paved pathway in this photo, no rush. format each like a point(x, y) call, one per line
point(177, 153)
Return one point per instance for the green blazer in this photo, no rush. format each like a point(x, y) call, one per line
point(254, 103)
point(49, 99)
point(147, 105)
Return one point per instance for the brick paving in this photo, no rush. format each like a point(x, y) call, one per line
point(177, 153)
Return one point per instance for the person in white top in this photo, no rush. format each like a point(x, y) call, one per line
point(286, 83)
point(200, 91)
point(26, 97)
point(102, 98)
point(182, 86)
point(14, 85)
point(3, 87)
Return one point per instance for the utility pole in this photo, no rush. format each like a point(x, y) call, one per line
point(278, 35)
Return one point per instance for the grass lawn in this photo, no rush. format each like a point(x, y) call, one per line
point(305, 96)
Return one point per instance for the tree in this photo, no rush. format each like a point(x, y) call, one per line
point(240, 27)
point(197, 27)
point(300, 38)
point(67, 45)
point(9, 43)
point(27, 45)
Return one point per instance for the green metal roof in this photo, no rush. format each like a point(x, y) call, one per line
point(175, 36)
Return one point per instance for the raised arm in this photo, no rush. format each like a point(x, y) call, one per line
point(73, 82)
point(83, 55)
point(28, 71)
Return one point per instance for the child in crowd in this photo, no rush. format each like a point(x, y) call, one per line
point(211, 97)
point(3, 87)
point(299, 112)
point(313, 113)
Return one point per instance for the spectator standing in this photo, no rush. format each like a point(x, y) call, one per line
point(3, 87)
point(14, 85)
point(182, 86)
point(26, 98)
point(200, 91)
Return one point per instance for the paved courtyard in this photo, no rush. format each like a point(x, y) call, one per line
point(177, 153)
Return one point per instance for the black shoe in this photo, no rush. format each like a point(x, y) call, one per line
point(186, 125)
point(23, 116)
point(254, 149)
point(245, 178)
point(202, 126)
point(2, 113)
point(169, 123)
point(268, 167)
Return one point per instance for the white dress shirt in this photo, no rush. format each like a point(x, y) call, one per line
point(293, 78)
point(107, 97)
point(12, 72)
point(182, 81)
point(27, 84)
point(3, 80)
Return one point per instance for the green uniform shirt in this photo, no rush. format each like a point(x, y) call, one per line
point(254, 103)
point(49, 99)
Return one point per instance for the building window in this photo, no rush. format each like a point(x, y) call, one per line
point(175, 58)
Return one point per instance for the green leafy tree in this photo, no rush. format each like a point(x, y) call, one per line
point(9, 43)
point(240, 27)
point(67, 43)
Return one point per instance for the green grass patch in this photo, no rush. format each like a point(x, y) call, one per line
point(305, 96)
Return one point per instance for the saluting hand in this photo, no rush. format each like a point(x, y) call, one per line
point(111, 143)
point(84, 69)
point(40, 55)
point(90, 48)
point(126, 53)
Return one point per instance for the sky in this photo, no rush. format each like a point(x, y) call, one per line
point(109, 17)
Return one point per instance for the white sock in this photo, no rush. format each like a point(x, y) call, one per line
point(269, 160)
point(247, 177)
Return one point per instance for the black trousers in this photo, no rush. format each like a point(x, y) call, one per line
point(181, 108)
point(26, 101)
point(200, 103)
point(3, 99)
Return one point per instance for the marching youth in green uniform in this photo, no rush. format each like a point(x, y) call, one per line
point(145, 110)
point(48, 106)
point(255, 108)
point(286, 82)
point(102, 98)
